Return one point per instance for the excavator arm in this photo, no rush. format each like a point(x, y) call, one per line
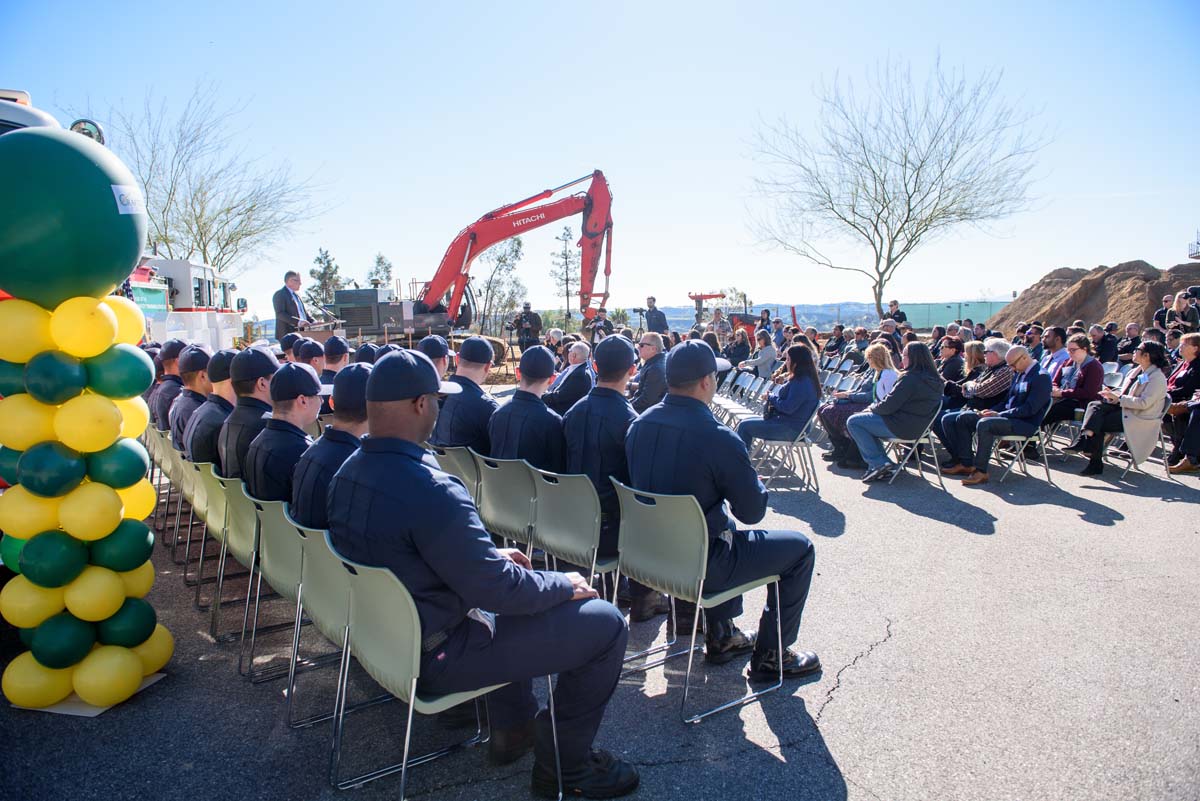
point(514, 219)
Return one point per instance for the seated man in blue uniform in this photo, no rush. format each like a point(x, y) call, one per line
point(310, 352)
point(287, 342)
point(464, 417)
point(366, 353)
point(314, 471)
point(193, 370)
point(203, 427)
point(525, 428)
point(250, 371)
point(170, 386)
point(438, 351)
point(486, 617)
point(272, 456)
point(595, 429)
point(1022, 413)
point(650, 384)
point(678, 448)
point(573, 383)
point(337, 356)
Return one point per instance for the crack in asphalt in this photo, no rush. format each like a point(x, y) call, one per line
point(837, 680)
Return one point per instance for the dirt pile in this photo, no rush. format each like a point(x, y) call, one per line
point(1128, 293)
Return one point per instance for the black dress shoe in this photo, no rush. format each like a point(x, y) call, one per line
point(764, 665)
point(831, 456)
point(1092, 469)
point(726, 641)
point(852, 464)
point(1082, 446)
point(601, 776)
point(509, 745)
point(461, 716)
point(648, 607)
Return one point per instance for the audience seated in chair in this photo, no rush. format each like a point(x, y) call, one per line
point(789, 406)
point(881, 377)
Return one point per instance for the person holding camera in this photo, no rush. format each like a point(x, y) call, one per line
point(528, 325)
point(598, 324)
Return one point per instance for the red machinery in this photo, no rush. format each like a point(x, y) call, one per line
point(446, 289)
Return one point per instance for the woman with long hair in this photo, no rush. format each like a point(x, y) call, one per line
point(1183, 315)
point(789, 406)
point(881, 376)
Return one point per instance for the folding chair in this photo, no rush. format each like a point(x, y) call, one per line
point(1113, 380)
point(663, 544)
point(1019, 442)
point(507, 499)
point(785, 450)
point(908, 448)
point(568, 521)
point(458, 461)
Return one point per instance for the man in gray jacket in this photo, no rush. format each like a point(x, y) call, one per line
point(650, 384)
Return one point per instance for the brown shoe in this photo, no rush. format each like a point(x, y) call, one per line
point(976, 477)
point(1184, 465)
point(958, 470)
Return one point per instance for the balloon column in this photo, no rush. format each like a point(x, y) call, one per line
point(71, 377)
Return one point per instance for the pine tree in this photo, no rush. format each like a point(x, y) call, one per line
point(325, 279)
point(565, 271)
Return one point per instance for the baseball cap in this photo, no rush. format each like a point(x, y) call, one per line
point(251, 364)
point(692, 360)
point(350, 388)
point(193, 358)
point(537, 363)
point(336, 347)
point(307, 349)
point(293, 380)
point(614, 354)
point(218, 365)
point(289, 340)
point(406, 374)
point(476, 350)
point(434, 347)
point(365, 354)
point(171, 349)
point(1193, 291)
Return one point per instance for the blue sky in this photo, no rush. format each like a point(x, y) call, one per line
point(415, 119)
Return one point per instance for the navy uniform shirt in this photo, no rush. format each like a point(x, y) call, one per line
point(391, 506)
point(464, 418)
point(248, 417)
point(313, 474)
point(678, 448)
point(652, 383)
point(271, 460)
point(200, 436)
point(595, 429)
point(526, 429)
point(170, 387)
point(185, 405)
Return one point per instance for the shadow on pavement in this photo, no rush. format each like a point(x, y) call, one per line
point(941, 506)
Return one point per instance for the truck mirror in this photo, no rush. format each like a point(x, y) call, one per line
point(90, 129)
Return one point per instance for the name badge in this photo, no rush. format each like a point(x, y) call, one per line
point(1143, 378)
point(1023, 386)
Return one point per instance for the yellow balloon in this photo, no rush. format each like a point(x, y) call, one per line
point(156, 651)
point(25, 604)
point(25, 422)
point(23, 514)
point(107, 676)
point(139, 580)
point(27, 330)
point(131, 323)
point(90, 511)
point(83, 327)
point(96, 594)
point(139, 499)
point(88, 423)
point(135, 416)
point(27, 682)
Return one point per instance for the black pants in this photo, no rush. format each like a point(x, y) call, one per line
point(1189, 442)
point(1106, 419)
point(1062, 411)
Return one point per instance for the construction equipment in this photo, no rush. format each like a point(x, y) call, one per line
point(698, 298)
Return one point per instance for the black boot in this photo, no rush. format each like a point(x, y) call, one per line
point(509, 745)
point(726, 641)
point(648, 607)
point(764, 665)
point(1094, 468)
point(601, 776)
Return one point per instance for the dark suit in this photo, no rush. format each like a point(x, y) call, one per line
point(652, 383)
point(570, 389)
point(287, 313)
point(1022, 413)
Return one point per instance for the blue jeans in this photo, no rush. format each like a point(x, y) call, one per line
point(868, 429)
point(757, 428)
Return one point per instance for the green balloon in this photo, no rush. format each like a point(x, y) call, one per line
point(62, 640)
point(120, 465)
point(53, 559)
point(53, 377)
point(26, 636)
point(127, 547)
point(73, 224)
point(51, 469)
point(132, 624)
point(122, 371)
point(9, 459)
point(10, 552)
point(12, 378)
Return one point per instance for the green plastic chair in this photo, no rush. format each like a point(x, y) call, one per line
point(280, 560)
point(240, 540)
point(507, 499)
point(460, 462)
point(199, 513)
point(183, 476)
point(663, 543)
point(384, 634)
point(214, 524)
point(568, 520)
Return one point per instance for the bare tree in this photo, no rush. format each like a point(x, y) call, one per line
point(894, 166)
point(205, 197)
point(501, 290)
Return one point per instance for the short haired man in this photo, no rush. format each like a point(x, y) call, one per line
point(272, 456)
point(1104, 344)
point(988, 390)
point(528, 325)
point(486, 616)
point(1160, 317)
point(311, 353)
point(721, 327)
point(193, 371)
point(777, 333)
point(438, 351)
point(678, 448)
point(342, 436)
point(836, 342)
point(599, 326)
point(204, 426)
point(650, 384)
point(287, 342)
point(250, 371)
point(465, 416)
point(171, 384)
point(572, 383)
point(890, 328)
point(290, 314)
point(1054, 351)
point(894, 313)
point(656, 321)
point(525, 428)
point(1127, 345)
point(1033, 342)
point(1022, 413)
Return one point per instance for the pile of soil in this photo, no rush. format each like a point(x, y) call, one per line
point(1129, 293)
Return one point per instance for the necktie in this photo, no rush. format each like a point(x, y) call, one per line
point(299, 308)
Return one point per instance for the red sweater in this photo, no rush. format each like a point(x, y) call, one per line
point(1087, 387)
